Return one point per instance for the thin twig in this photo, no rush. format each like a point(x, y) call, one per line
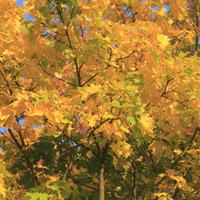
point(52, 75)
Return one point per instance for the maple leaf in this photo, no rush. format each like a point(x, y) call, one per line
point(163, 40)
point(146, 123)
point(92, 89)
point(84, 70)
point(93, 120)
point(2, 186)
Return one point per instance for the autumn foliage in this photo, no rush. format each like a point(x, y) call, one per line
point(100, 99)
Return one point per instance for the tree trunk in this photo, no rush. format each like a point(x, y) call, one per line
point(102, 159)
point(101, 182)
point(197, 35)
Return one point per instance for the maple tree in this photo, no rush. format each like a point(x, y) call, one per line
point(100, 99)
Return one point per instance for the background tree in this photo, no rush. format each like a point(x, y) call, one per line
point(100, 100)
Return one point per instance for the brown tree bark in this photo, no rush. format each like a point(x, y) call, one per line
point(101, 182)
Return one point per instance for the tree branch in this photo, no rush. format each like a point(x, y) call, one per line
point(26, 158)
point(52, 75)
point(7, 83)
point(186, 149)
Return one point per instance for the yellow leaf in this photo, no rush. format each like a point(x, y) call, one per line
point(115, 162)
point(171, 21)
point(126, 165)
point(53, 178)
point(163, 196)
point(181, 182)
point(107, 115)
point(146, 123)
point(124, 129)
point(87, 19)
point(115, 147)
point(163, 40)
point(89, 154)
point(58, 75)
point(177, 151)
point(3, 116)
point(126, 149)
point(93, 120)
point(92, 89)
point(2, 188)
point(121, 149)
point(162, 11)
point(59, 117)
point(181, 17)
point(118, 135)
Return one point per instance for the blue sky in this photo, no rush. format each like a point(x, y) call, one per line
point(27, 16)
point(2, 130)
point(21, 122)
point(20, 2)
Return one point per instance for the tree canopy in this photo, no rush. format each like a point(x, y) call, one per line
point(100, 100)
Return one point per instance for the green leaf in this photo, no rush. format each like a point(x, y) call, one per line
point(59, 46)
point(188, 71)
point(116, 103)
point(131, 120)
point(135, 78)
point(38, 195)
point(44, 63)
point(44, 11)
